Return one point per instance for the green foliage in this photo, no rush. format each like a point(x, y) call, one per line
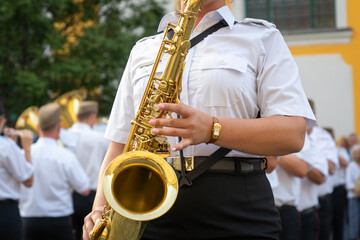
point(38, 62)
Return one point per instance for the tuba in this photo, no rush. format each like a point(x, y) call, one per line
point(140, 185)
point(29, 119)
point(70, 103)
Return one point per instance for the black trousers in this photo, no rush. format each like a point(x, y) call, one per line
point(220, 206)
point(10, 220)
point(290, 223)
point(325, 216)
point(339, 202)
point(82, 207)
point(45, 228)
point(309, 224)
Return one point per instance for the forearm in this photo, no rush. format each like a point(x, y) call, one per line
point(293, 165)
point(276, 135)
point(315, 176)
point(114, 150)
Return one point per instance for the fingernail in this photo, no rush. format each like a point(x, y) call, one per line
point(161, 105)
point(152, 122)
point(155, 131)
point(173, 149)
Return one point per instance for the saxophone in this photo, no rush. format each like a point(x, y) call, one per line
point(140, 185)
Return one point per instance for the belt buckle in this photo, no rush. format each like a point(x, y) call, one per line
point(189, 163)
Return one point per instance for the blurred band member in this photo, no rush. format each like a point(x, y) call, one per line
point(15, 169)
point(290, 169)
point(47, 206)
point(308, 201)
point(90, 150)
point(353, 187)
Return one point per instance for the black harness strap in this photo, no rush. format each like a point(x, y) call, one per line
point(187, 178)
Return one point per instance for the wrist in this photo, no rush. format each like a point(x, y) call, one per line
point(215, 130)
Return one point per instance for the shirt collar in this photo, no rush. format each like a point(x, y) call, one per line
point(47, 140)
point(82, 126)
point(221, 13)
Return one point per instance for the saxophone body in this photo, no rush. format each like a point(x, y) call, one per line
point(140, 185)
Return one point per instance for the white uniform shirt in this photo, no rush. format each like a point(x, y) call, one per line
point(56, 171)
point(89, 150)
point(327, 147)
point(233, 73)
point(273, 179)
point(288, 191)
point(352, 175)
point(309, 190)
point(14, 169)
point(339, 174)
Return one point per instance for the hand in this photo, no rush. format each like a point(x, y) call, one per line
point(11, 133)
point(194, 126)
point(89, 222)
point(26, 137)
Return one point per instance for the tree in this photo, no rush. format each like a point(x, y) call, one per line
point(49, 47)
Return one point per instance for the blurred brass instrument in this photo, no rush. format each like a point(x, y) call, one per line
point(140, 185)
point(29, 119)
point(69, 102)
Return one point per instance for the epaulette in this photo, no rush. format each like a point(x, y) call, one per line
point(145, 38)
point(259, 22)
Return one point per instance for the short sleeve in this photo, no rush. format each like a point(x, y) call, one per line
point(16, 164)
point(77, 177)
point(122, 112)
point(279, 87)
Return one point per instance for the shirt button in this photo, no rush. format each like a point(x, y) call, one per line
point(211, 15)
point(199, 29)
point(223, 62)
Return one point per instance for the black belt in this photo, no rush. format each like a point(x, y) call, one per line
point(7, 201)
point(308, 210)
point(226, 164)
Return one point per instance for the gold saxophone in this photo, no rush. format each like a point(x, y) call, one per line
point(140, 185)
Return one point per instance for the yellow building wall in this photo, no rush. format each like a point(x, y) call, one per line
point(350, 53)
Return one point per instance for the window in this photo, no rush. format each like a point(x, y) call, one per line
point(294, 14)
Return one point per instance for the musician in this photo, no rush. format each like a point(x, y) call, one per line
point(352, 183)
point(90, 150)
point(233, 74)
point(15, 170)
point(290, 170)
point(47, 206)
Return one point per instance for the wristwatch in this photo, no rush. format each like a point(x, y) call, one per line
point(215, 131)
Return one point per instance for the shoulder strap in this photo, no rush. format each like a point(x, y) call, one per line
point(207, 32)
point(187, 178)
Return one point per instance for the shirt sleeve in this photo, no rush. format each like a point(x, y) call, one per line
point(77, 177)
point(122, 112)
point(279, 87)
point(16, 164)
point(350, 177)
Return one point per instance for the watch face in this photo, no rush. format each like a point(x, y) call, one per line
point(217, 128)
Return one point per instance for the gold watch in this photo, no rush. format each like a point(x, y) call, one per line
point(215, 131)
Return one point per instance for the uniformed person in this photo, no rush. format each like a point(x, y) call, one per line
point(15, 170)
point(229, 77)
point(47, 206)
point(90, 150)
point(290, 170)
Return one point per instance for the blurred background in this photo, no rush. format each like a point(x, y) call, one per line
point(50, 47)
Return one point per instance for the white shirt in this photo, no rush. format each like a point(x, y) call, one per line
point(233, 73)
point(288, 191)
point(14, 169)
point(352, 175)
point(273, 179)
point(90, 150)
point(327, 147)
point(309, 190)
point(339, 174)
point(57, 171)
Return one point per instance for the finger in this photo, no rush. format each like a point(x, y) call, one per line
point(169, 132)
point(181, 145)
point(181, 109)
point(168, 122)
point(86, 234)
